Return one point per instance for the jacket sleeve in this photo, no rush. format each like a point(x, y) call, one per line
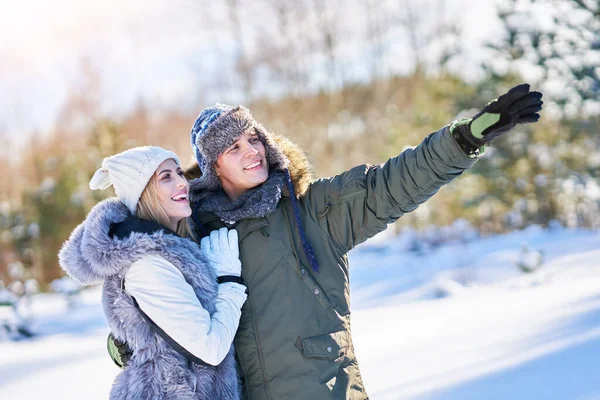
point(170, 302)
point(359, 203)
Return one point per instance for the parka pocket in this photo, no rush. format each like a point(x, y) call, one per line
point(329, 346)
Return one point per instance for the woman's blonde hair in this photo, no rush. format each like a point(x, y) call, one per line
point(149, 208)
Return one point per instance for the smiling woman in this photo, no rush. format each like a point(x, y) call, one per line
point(176, 303)
point(165, 198)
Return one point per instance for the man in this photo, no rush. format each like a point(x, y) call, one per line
point(294, 340)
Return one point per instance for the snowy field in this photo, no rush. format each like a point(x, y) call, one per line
point(455, 321)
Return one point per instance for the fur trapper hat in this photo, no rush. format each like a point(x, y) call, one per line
point(217, 128)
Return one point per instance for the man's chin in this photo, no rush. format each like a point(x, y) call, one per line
point(261, 178)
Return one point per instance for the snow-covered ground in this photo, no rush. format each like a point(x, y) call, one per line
point(460, 321)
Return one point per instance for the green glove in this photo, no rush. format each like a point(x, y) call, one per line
point(118, 351)
point(517, 106)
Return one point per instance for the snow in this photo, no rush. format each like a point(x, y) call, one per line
point(66, 285)
point(455, 321)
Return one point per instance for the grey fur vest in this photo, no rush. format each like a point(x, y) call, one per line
point(156, 370)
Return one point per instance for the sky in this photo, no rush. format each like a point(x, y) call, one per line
point(140, 50)
point(42, 46)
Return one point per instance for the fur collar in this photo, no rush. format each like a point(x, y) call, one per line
point(92, 254)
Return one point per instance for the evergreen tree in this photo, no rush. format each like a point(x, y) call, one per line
point(559, 40)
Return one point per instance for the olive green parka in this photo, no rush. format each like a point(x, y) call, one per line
point(294, 340)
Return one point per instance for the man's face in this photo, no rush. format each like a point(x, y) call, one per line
point(243, 165)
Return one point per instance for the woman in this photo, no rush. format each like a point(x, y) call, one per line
point(161, 291)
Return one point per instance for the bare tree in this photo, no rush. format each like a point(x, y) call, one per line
point(377, 26)
point(428, 26)
point(7, 186)
point(306, 46)
point(83, 103)
point(411, 21)
point(242, 62)
point(288, 53)
point(328, 28)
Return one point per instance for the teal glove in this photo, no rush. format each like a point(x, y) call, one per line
point(118, 351)
point(517, 106)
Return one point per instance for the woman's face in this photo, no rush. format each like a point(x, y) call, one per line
point(173, 191)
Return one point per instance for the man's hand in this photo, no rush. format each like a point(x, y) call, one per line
point(517, 106)
point(118, 351)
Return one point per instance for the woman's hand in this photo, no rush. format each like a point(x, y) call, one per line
point(221, 248)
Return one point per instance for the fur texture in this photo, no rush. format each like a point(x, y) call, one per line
point(297, 163)
point(299, 167)
point(223, 131)
point(257, 202)
point(155, 371)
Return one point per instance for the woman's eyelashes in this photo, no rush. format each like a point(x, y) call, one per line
point(167, 176)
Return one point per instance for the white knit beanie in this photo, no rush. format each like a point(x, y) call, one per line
point(130, 171)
